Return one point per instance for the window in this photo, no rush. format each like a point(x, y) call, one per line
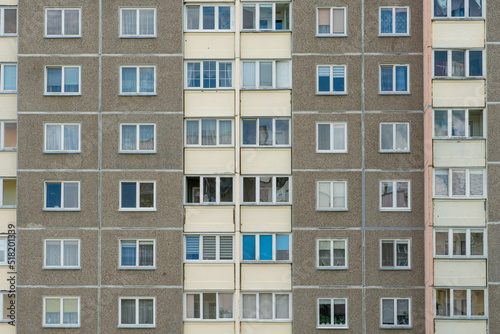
point(62, 138)
point(331, 79)
point(331, 137)
point(332, 21)
point(137, 195)
point(62, 195)
point(8, 193)
point(200, 248)
point(137, 138)
point(62, 254)
point(3, 250)
point(394, 79)
point(214, 132)
point(138, 22)
point(209, 306)
point(455, 182)
point(394, 21)
point(453, 123)
point(332, 254)
point(395, 254)
point(458, 8)
point(332, 313)
point(8, 78)
point(459, 243)
point(209, 74)
point(214, 189)
point(458, 63)
point(266, 74)
point(331, 195)
point(62, 22)
point(61, 311)
point(266, 306)
point(8, 21)
point(394, 137)
point(396, 312)
point(62, 80)
point(268, 132)
point(266, 17)
point(266, 247)
point(137, 80)
point(266, 190)
point(7, 313)
point(137, 312)
point(209, 18)
point(137, 254)
point(8, 136)
point(460, 303)
point(395, 195)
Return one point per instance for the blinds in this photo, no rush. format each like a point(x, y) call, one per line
point(209, 248)
point(226, 247)
point(338, 21)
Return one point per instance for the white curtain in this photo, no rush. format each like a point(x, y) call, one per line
point(71, 137)
point(193, 74)
point(265, 306)
point(193, 17)
point(146, 311)
point(70, 311)
point(128, 311)
point(249, 306)
point(54, 22)
point(208, 132)
point(129, 137)
point(129, 22)
point(71, 22)
point(71, 253)
point(282, 74)
point(146, 22)
point(53, 137)
point(146, 252)
point(225, 132)
point(225, 305)
point(282, 308)
point(147, 78)
point(339, 137)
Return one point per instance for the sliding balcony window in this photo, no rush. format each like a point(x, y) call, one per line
point(208, 248)
point(266, 74)
point(209, 306)
point(266, 247)
point(266, 17)
point(465, 123)
point(461, 183)
point(8, 136)
point(458, 63)
point(458, 8)
point(459, 243)
point(209, 190)
point(209, 132)
point(209, 74)
point(460, 303)
point(266, 190)
point(266, 132)
point(209, 18)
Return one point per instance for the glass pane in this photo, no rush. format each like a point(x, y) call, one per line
point(338, 21)
point(388, 312)
point(387, 136)
point(324, 195)
point(266, 189)
point(209, 248)
point(71, 22)
point(440, 123)
point(193, 190)
point(193, 74)
point(226, 247)
point(249, 131)
point(441, 243)
point(226, 189)
point(323, 78)
point(9, 192)
point(265, 306)
point(146, 137)
point(401, 21)
point(459, 242)
point(209, 190)
point(324, 20)
point(248, 16)
point(146, 22)
point(339, 137)
point(224, 17)
point(192, 248)
point(440, 8)
point(402, 137)
point(225, 133)
point(266, 16)
point(339, 253)
point(10, 21)
point(339, 200)
point(387, 201)
point(282, 190)
point(475, 8)
point(71, 253)
point(476, 183)
point(475, 123)
point(282, 306)
point(458, 183)
point(323, 137)
point(324, 254)
point(338, 78)
point(209, 74)
point(129, 252)
point(129, 80)
point(282, 19)
point(10, 77)
point(129, 22)
point(386, 79)
point(70, 311)
point(53, 195)
point(402, 193)
point(249, 247)
point(225, 74)
point(249, 195)
point(477, 302)
point(249, 306)
point(225, 305)
point(441, 63)
point(282, 74)
point(475, 63)
point(266, 74)
point(10, 135)
point(401, 78)
point(443, 302)
point(71, 79)
point(146, 195)
point(402, 254)
point(208, 18)
point(146, 79)
point(193, 17)
point(192, 133)
point(403, 310)
point(476, 243)
point(54, 80)
point(441, 182)
point(458, 63)
point(209, 306)
point(248, 72)
point(265, 131)
point(386, 20)
point(282, 247)
point(146, 253)
point(387, 253)
point(266, 247)
point(129, 194)
point(339, 312)
point(71, 137)
point(460, 302)
point(457, 8)
point(52, 311)
point(146, 313)
point(54, 22)
point(52, 253)
point(209, 132)
point(325, 312)
point(129, 137)
point(458, 123)
point(193, 306)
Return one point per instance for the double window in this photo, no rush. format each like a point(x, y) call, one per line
point(8, 193)
point(266, 190)
point(209, 306)
point(395, 254)
point(455, 182)
point(459, 243)
point(266, 74)
point(332, 21)
point(460, 303)
point(62, 138)
point(209, 248)
point(266, 247)
point(138, 22)
point(63, 22)
point(466, 123)
point(458, 8)
point(394, 137)
point(8, 78)
point(266, 132)
point(137, 254)
point(395, 312)
point(209, 132)
point(331, 79)
point(394, 79)
point(266, 17)
point(137, 312)
point(8, 136)
point(8, 21)
point(394, 21)
point(395, 195)
point(209, 74)
point(458, 63)
point(62, 254)
point(209, 18)
point(137, 195)
point(138, 80)
point(332, 313)
point(61, 311)
point(331, 195)
point(331, 137)
point(62, 195)
point(137, 138)
point(209, 189)
point(62, 80)
point(332, 254)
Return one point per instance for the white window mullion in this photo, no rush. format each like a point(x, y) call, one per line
point(274, 132)
point(331, 32)
point(273, 17)
point(467, 135)
point(331, 76)
point(217, 247)
point(466, 64)
point(217, 189)
point(331, 254)
point(394, 136)
point(393, 20)
point(450, 243)
point(217, 141)
point(467, 242)
point(274, 74)
point(332, 127)
point(469, 302)
point(394, 194)
point(257, 189)
point(257, 74)
point(467, 183)
point(137, 136)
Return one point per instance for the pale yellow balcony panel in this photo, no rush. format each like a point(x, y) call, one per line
point(460, 272)
point(8, 106)
point(209, 276)
point(8, 3)
point(7, 217)
point(458, 34)
point(266, 103)
point(266, 328)
point(207, 103)
point(459, 153)
point(209, 160)
point(266, 276)
point(460, 326)
point(266, 45)
point(218, 45)
point(4, 284)
point(455, 212)
point(8, 47)
point(458, 93)
point(8, 163)
point(214, 218)
point(257, 218)
point(5, 328)
point(266, 161)
point(209, 327)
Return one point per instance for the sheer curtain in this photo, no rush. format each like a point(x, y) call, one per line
point(146, 22)
point(401, 21)
point(129, 79)
point(249, 74)
point(128, 253)
point(147, 79)
point(266, 74)
point(53, 137)
point(127, 311)
point(129, 137)
point(146, 251)
point(386, 78)
point(54, 22)
point(324, 20)
point(193, 17)
point(208, 17)
point(53, 311)
point(10, 135)
point(440, 8)
point(70, 311)
point(225, 132)
point(71, 253)
point(70, 195)
point(209, 74)
point(146, 311)
point(129, 22)
point(282, 308)
point(386, 20)
point(71, 22)
point(265, 306)
point(225, 305)
point(52, 253)
point(146, 137)
point(71, 137)
point(193, 74)
point(249, 306)
point(224, 17)
point(282, 74)
point(208, 132)
point(225, 74)
point(401, 78)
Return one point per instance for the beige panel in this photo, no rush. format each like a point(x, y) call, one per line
point(8, 49)
point(266, 328)
point(266, 103)
point(4, 284)
point(272, 276)
point(459, 272)
point(459, 213)
point(5, 328)
point(266, 45)
point(266, 218)
point(460, 326)
point(199, 103)
point(198, 45)
point(458, 93)
point(7, 217)
point(266, 161)
point(209, 219)
point(208, 327)
point(461, 153)
point(458, 34)
point(9, 106)
point(8, 163)
point(203, 276)
point(208, 160)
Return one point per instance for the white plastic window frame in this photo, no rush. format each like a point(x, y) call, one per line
point(468, 231)
point(273, 318)
point(200, 121)
point(2, 136)
point(257, 127)
point(469, 303)
point(449, 64)
point(61, 310)
point(331, 34)
point(217, 75)
point(137, 137)
point(274, 74)
point(62, 208)
point(4, 244)
point(332, 300)
point(216, 18)
point(200, 250)
point(257, 190)
point(332, 137)
point(218, 319)
point(137, 15)
point(394, 91)
point(2, 78)
point(63, 35)
point(395, 300)
point(467, 182)
point(466, 11)
point(138, 196)
point(136, 325)
point(137, 254)
point(138, 80)
point(62, 92)
point(2, 20)
point(273, 19)
point(394, 135)
point(217, 182)
point(394, 206)
point(61, 247)
point(331, 92)
point(7, 314)
point(394, 34)
point(395, 243)
point(274, 250)
point(333, 266)
point(449, 124)
point(62, 150)
point(332, 195)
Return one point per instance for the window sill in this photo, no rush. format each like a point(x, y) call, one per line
point(138, 36)
point(330, 152)
point(266, 204)
point(137, 326)
point(209, 320)
point(459, 197)
point(394, 35)
point(457, 18)
point(266, 320)
point(460, 79)
point(459, 258)
point(208, 261)
point(334, 210)
point(208, 89)
point(136, 268)
point(136, 209)
point(265, 30)
point(330, 93)
point(209, 146)
point(61, 268)
point(459, 138)
point(398, 152)
point(265, 146)
point(330, 35)
point(394, 268)
point(210, 204)
point(8, 35)
point(8, 207)
point(209, 31)
point(137, 152)
point(62, 94)
point(264, 88)
point(479, 317)
point(9, 92)
point(266, 261)
point(137, 94)
point(62, 152)
point(394, 93)
point(394, 210)
point(61, 326)
point(60, 210)
point(332, 327)
point(396, 327)
point(50, 37)
point(332, 268)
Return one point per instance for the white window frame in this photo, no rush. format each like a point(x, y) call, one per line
point(332, 300)
point(395, 300)
point(257, 143)
point(138, 35)
point(4, 243)
point(273, 318)
point(137, 137)
point(467, 183)
point(395, 243)
point(2, 78)
point(466, 11)
point(137, 254)
point(274, 250)
point(218, 319)
point(217, 180)
point(394, 91)
point(468, 242)
point(138, 80)
point(332, 195)
point(273, 19)
point(138, 196)
point(62, 92)
point(136, 325)
point(394, 135)
point(2, 136)
point(217, 73)
point(62, 208)
point(469, 303)
point(200, 121)
point(2, 20)
point(1, 193)
point(62, 150)
point(394, 198)
point(331, 91)
point(63, 35)
point(217, 248)
point(332, 137)
point(257, 190)
point(216, 18)
point(61, 247)
point(394, 34)
point(332, 258)
point(274, 74)
point(449, 63)
point(449, 124)
point(5, 314)
point(61, 311)
point(331, 34)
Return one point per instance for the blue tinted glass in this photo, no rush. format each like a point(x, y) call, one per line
point(128, 253)
point(128, 195)
point(266, 247)
point(10, 80)
point(249, 247)
point(209, 74)
point(475, 63)
point(54, 80)
point(249, 132)
point(193, 75)
point(192, 248)
point(386, 21)
point(225, 17)
point(386, 78)
point(338, 78)
point(208, 17)
point(401, 21)
point(401, 78)
point(129, 80)
point(53, 199)
point(71, 79)
point(282, 242)
point(324, 79)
